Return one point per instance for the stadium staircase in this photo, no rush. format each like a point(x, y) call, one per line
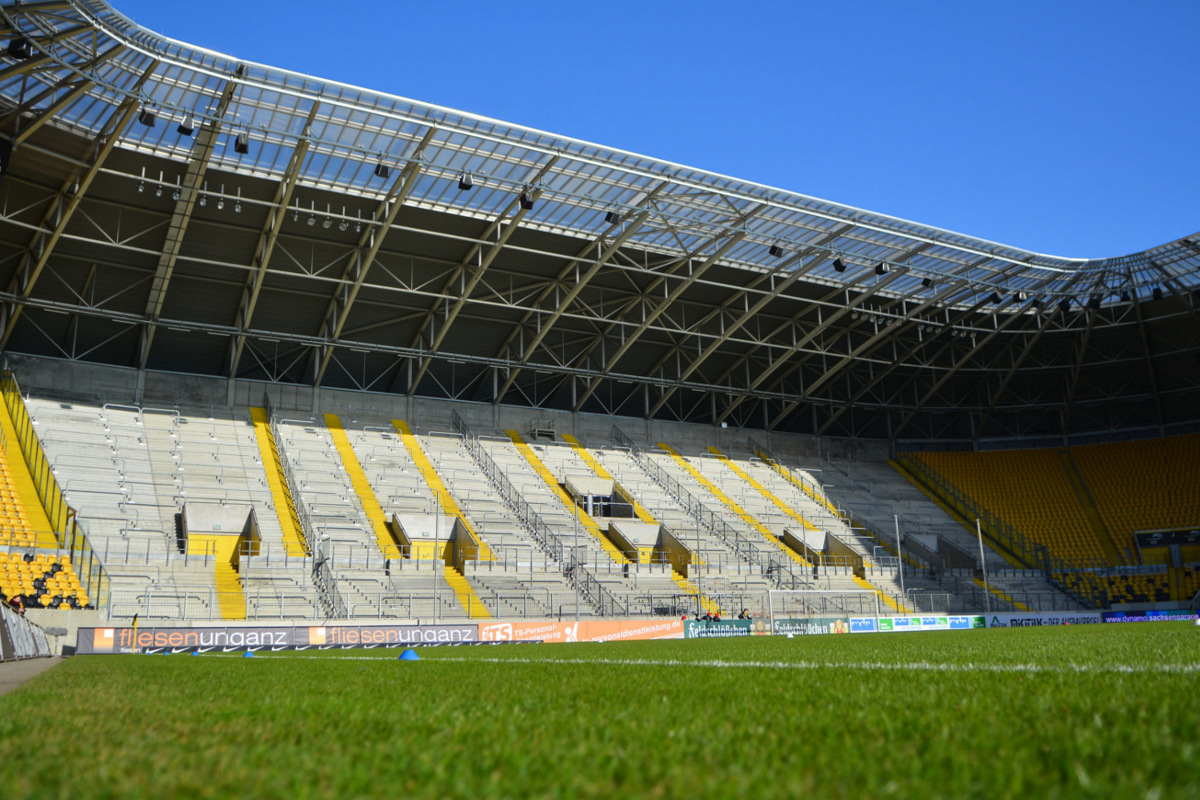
point(362, 487)
point(689, 588)
point(585, 520)
point(728, 502)
point(285, 507)
point(1084, 497)
point(462, 588)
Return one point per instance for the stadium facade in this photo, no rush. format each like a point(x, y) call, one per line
point(170, 209)
point(181, 229)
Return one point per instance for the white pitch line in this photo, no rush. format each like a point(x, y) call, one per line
point(876, 666)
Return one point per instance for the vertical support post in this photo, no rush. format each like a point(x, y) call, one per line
point(899, 557)
point(987, 592)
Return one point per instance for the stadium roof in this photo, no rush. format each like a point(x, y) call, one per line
point(192, 212)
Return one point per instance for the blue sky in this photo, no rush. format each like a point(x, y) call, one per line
point(1069, 128)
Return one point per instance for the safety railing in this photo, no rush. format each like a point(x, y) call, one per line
point(577, 572)
point(775, 569)
point(323, 578)
point(72, 537)
point(1073, 579)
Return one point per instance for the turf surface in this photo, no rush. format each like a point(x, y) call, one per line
point(1085, 711)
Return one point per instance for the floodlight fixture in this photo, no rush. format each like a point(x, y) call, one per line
point(882, 268)
point(1125, 297)
point(465, 181)
point(1018, 297)
point(1094, 302)
point(382, 170)
point(1064, 305)
point(839, 265)
point(1158, 293)
point(776, 251)
point(996, 298)
point(612, 217)
point(927, 283)
point(21, 49)
point(241, 144)
point(147, 117)
point(526, 200)
point(1036, 302)
point(187, 125)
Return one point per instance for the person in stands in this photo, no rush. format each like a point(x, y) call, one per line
point(744, 615)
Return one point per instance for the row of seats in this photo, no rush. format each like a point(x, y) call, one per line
point(41, 579)
point(1030, 490)
point(1134, 486)
point(1147, 485)
point(1138, 589)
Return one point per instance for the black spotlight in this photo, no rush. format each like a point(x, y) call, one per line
point(242, 143)
point(382, 170)
point(1125, 298)
point(882, 268)
point(1018, 297)
point(1036, 302)
point(21, 49)
point(526, 201)
point(1158, 293)
point(1064, 305)
point(776, 251)
point(839, 265)
point(612, 217)
point(187, 125)
point(465, 181)
point(995, 297)
point(926, 282)
point(1094, 302)
point(147, 116)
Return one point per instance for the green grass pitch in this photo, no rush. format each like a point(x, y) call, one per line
point(1085, 711)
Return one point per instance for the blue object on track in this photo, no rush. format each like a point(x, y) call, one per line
point(195, 652)
point(408, 655)
point(249, 654)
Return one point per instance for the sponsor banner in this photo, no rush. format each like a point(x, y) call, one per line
point(699, 629)
point(1035, 619)
point(586, 631)
point(932, 623)
point(815, 626)
point(863, 625)
point(123, 640)
point(1153, 615)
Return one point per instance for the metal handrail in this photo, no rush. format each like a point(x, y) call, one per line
point(776, 570)
point(1072, 579)
point(576, 571)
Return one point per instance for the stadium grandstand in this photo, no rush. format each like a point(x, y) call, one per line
point(278, 348)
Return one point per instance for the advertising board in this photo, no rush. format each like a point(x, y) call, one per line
point(125, 640)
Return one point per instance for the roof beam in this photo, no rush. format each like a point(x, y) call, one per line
point(579, 284)
point(1078, 369)
point(42, 246)
point(865, 347)
point(365, 253)
point(804, 340)
point(1047, 321)
point(952, 371)
point(481, 267)
point(79, 87)
point(37, 62)
point(1148, 355)
point(266, 242)
point(674, 295)
point(747, 316)
point(181, 216)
